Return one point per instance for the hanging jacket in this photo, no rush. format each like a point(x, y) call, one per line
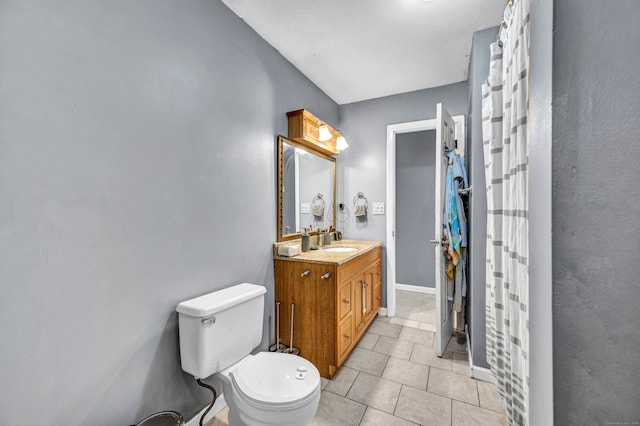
point(454, 220)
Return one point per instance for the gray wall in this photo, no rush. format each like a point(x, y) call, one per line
point(478, 72)
point(415, 199)
point(596, 206)
point(137, 139)
point(362, 167)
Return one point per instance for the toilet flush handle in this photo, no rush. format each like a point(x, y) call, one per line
point(208, 321)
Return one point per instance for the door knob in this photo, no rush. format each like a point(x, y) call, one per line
point(436, 242)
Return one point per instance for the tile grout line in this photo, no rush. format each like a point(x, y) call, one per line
point(401, 383)
point(413, 347)
point(363, 414)
point(352, 383)
point(395, 407)
point(428, 377)
point(453, 399)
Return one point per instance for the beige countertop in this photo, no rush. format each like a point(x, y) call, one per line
point(323, 256)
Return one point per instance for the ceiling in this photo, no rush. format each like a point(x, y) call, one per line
point(356, 50)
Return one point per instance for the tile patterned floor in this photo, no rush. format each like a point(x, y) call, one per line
point(394, 378)
point(412, 308)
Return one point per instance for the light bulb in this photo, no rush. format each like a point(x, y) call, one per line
point(341, 143)
point(324, 133)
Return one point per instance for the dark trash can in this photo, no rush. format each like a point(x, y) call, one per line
point(164, 418)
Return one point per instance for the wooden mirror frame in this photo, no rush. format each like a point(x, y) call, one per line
point(281, 141)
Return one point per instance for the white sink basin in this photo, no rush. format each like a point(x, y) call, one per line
point(340, 249)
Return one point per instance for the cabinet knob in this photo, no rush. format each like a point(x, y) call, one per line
point(347, 301)
point(365, 285)
point(346, 336)
point(327, 275)
point(306, 273)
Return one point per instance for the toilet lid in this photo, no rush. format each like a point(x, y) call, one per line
point(276, 378)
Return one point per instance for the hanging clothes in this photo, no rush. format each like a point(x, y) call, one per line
point(455, 230)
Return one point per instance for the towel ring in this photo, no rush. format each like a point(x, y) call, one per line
point(360, 198)
point(318, 200)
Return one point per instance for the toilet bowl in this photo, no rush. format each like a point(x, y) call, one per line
point(271, 388)
point(217, 333)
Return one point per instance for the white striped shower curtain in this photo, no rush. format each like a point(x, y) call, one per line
point(505, 99)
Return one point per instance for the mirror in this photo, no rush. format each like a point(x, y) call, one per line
point(306, 189)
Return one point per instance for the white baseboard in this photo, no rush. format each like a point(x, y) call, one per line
point(217, 407)
point(415, 288)
point(480, 373)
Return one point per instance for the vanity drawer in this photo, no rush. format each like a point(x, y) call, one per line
point(358, 265)
point(344, 300)
point(344, 336)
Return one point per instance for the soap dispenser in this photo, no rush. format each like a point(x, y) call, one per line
point(306, 240)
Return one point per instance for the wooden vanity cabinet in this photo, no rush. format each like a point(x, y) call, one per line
point(301, 284)
point(333, 306)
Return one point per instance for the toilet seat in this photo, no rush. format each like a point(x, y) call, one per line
point(275, 381)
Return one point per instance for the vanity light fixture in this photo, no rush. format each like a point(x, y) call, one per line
point(324, 134)
point(341, 143)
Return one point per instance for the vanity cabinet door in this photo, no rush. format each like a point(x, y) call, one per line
point(368, 283)
point(359, 301)
point(311, 289)
point(363, 297)
point(377, 288)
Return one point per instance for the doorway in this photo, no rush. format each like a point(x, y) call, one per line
point(425, 251)
point(415, 216)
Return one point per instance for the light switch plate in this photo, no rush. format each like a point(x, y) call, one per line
point(378, 208)
point(305, 208)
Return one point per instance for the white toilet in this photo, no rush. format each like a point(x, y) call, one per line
point(218, 331)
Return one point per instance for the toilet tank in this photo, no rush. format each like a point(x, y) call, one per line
point(220, 328)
